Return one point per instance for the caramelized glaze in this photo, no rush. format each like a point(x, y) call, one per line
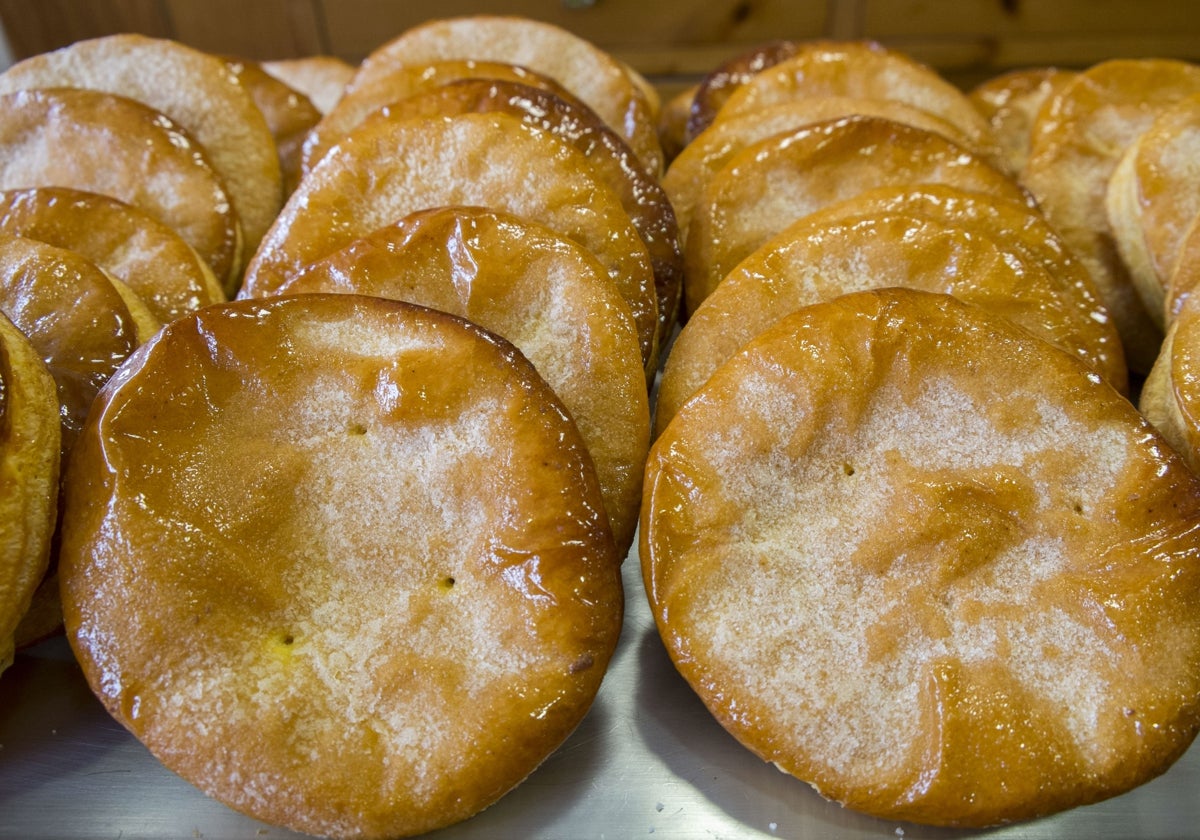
point(107, 144)
point(150, 258)
point(339, 561)
point(541, 291)
point(928, 564)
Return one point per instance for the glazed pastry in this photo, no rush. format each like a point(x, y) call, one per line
point(608, 86)
point(29, 467)
point(326, 583)
point(487, 160)
point(893, 546)
point(770, 184)
point(1078, 139)
point(150, 258)
point(539, 290)
point(849, 249)
point(102, 143)
point(196, 91)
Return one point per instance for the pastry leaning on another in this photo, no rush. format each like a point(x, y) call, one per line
point(929, 564)
point(330, 585)
point(29, 469)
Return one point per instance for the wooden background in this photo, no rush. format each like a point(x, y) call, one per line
point(671, 41)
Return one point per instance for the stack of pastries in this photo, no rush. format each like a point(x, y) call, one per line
point(903, 531)
point(330, 418)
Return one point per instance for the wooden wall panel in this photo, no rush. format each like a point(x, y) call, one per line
point(34, 27)
point(258, 29)
point(671, 41)
point(658, 36)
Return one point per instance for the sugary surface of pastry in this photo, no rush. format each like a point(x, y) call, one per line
point(1010, 103)
point(1078, 139)
point(862, 70)
point(605, 84)
point(539, 290)
point(389, 167)
point(401, 82)
point(610, 157)
point(72, 314)
point(928, 564)
point(322, 78)
point(1152, 198)
point(103, 143)
point(328, 583)
point(29, 468)
point(770, 184)
point(196, 90)
point(708, 153)
point(828, 254)
point(149, 257)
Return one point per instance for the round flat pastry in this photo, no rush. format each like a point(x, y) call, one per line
point(321, 78)
point(1152, 198)
point(74, 315)
point(770, 184)
point(836, 252)
point(539, 290)
point(1170, 396)
point(892, 545)
point(405, 81)
point(197, 91)
point(102, 143)
point(388, 168)
point(1010, 103)
point(150, 258)
point(1018, 229)
point(1078, 139)
point(861, 70)
point(1185, 275)
point(605, 84)
point(289, 115)
point(708, 153)
point(715, 88)
point(331, 586)
point(610, 157)
point(29, 464)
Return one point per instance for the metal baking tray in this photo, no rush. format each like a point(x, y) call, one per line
point(647, 762)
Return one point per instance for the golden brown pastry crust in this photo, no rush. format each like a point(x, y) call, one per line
point(850, 248)
point(708, 153)
point(1010, 103)
point(74, 317)
point(1153, 196)
point(388, 168)
point(196, 91)
point(325, 582)
point(719, 83)
point(610, 157)
point(860, 70)
point(103, 143)
point(893, 545)
point(769, 184)
point(150, 258)
point(605, 84)
point(539, 290)
point(29, 467)
point(1078, 139)
point(402, 82)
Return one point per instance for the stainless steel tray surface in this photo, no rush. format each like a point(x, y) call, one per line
point(647, 762)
